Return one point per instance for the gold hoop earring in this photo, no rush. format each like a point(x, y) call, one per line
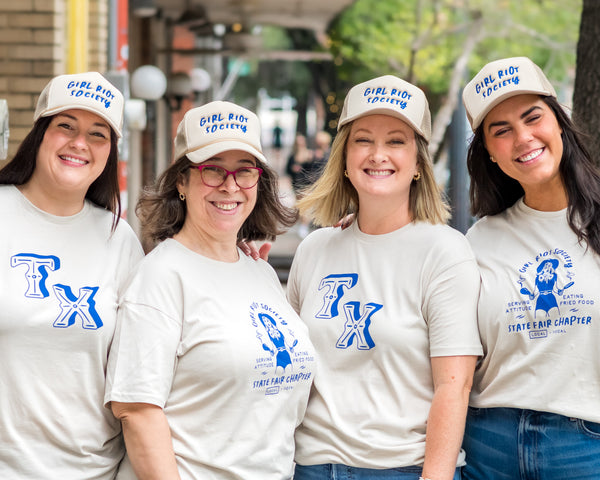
point(182, 196)
point(417, 176)
point(346, 173)
point(492, 159)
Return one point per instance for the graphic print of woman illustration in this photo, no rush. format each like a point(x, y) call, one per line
point(281, 350)
point(544, 282)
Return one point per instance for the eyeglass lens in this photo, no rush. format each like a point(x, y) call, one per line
point(215, 176)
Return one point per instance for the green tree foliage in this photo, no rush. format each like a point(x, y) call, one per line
point(544, 30)
point(420, 40)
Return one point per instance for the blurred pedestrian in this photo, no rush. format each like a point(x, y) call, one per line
point(321, 154)
point(300, 170)
point(277, 133)
point(299, 164)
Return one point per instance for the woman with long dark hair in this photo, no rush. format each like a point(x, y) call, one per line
point(64, 256)
point(535, 408)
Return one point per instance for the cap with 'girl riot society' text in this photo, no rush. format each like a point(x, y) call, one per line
point(215, 128)
point(88, 91)
point(500, 80)
point(388, 95)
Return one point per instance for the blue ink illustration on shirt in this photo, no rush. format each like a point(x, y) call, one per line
point(280, 350)
point(546, 280)
point(72, 307)
point(357, 326)
point(357, 321)
point(547, 283)
point(37, 271)
point(335, 285)
point(287, 363)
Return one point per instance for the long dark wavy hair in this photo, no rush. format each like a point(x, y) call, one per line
point(104, 191)
point(162, 213)
point(492, 191)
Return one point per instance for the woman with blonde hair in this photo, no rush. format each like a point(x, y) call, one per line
point(390, 301)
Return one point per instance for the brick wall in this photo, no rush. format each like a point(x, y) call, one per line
point(33, 49)
point(98, 35)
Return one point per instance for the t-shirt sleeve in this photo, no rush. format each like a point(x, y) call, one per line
point(143, 355)
point(450, 302)
point(131, 254)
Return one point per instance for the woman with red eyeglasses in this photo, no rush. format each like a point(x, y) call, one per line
point(211, 368)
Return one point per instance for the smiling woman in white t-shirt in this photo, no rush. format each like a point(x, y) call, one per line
point(64, 256)
point(390, 302)
point(211, 368)
point(535, 407)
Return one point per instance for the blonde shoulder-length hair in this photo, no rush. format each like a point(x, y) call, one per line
point(333, 196)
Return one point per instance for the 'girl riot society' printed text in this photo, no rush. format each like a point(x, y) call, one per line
point(88, 90)
point(221, 121)
point(503, 78)
point(387, 95)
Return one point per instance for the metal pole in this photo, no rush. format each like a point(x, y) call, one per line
point(134, 177)
point(459, 178)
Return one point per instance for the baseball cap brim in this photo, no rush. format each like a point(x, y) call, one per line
point(390, 113)
point(207, 152)
point(63, 108)
point(498, 100)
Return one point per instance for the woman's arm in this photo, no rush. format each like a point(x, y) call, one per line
point(452, 380)
point(148, 440)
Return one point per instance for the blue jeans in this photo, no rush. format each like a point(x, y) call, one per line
point(515, 444)
point(332, 471)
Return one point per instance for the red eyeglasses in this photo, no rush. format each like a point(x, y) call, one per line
point(215, 176)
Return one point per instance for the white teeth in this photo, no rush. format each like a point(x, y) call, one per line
point(225, 206)
point(73, 160)
point(530, 156)
point(379, 173)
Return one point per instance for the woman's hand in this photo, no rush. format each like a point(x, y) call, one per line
point(345, 222)
point(251, 249)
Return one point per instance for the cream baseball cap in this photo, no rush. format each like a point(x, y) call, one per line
point(388, 95)
point(217, 127)
point(500, 80)
point(84, 91)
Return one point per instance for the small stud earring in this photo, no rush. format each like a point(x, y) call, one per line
point(346, 173)
point(417, 176)
point(181, 196)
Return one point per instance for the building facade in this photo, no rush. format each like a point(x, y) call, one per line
point(40, 39)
